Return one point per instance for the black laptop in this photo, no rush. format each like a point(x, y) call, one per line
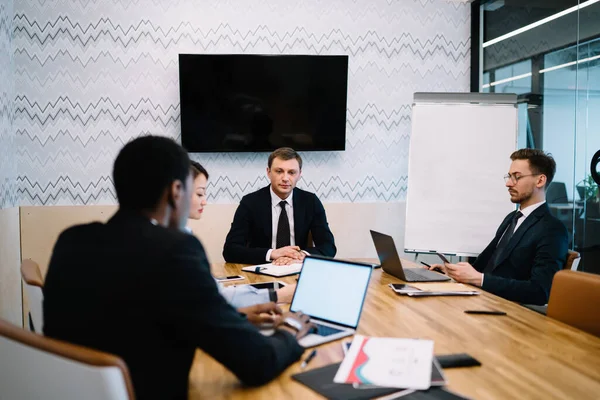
point(390, 262)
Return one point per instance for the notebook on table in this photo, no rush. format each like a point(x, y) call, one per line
point(274, 270)
point(321, 381)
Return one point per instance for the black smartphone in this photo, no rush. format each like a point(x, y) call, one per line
point(443, 257)
point(485, 312)
point(229, 278)
point(457, 360)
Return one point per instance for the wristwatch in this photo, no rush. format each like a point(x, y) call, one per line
point(292, 323)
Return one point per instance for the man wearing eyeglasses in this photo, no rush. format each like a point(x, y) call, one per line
point(530, 245)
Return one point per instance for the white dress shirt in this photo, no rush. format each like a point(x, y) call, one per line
point(526, 213)
point(275, 213)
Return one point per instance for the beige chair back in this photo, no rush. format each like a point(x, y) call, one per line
point(36, 367)
point(574, 300)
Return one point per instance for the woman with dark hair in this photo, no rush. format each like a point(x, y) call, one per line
point(200, 176)
point(237, 296)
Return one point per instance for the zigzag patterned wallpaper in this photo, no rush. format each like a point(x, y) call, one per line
point(92, 74)
point(8, 171)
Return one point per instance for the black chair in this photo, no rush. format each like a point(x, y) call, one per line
point(557, 193)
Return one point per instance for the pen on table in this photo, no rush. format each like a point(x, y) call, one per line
point(307, 359)
point(425, 264)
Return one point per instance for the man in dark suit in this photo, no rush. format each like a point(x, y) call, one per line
point(141, 288)
point(530, 245)
point(273, 223)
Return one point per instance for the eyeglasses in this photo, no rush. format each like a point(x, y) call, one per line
point(515, 178)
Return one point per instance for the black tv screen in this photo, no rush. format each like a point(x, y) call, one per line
point(262, 102)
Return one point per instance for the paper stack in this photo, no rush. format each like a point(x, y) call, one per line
point(387, 362)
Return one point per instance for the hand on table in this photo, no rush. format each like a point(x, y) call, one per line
point(288, 251)
point(262, 313)
point(289, 260)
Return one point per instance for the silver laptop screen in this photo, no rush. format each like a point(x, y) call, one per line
point(332, 290)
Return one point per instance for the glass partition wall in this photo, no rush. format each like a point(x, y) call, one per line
point(548, 53)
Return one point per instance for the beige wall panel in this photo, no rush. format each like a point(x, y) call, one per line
point(349, 222)
point(213, 228)
point(41, 226)
point(10, 264)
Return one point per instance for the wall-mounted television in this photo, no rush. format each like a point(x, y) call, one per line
point(242, 102)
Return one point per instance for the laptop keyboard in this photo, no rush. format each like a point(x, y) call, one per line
point(324, 330)
point(419, 276)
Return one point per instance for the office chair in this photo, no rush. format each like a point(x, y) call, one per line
point(574, 300)
point(571, 264)
point(32, 278)
point(37, 367)
point(557, 193)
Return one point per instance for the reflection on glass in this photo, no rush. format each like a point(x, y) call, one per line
point(555, 70)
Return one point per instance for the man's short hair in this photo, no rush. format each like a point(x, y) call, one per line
point(145, 167)
point(539, 162)
point(198, 169)
point(285, 153)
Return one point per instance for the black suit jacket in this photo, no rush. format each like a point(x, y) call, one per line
point(537, 250)
point(251, 231)
point(146, 294)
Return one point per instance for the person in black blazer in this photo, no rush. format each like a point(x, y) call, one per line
point(265, 230)
point(530, 246)
point(141, 288)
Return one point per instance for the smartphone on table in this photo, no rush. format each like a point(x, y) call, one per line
point(229, 278)
point(403, 289)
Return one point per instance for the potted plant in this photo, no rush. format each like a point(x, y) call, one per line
point(588, 191)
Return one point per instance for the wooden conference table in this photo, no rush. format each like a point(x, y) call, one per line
point(524, 355)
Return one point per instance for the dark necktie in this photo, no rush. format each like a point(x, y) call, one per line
point(503, 242)
point(283, 228)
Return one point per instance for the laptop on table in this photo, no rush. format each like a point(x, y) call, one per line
point(332, 293)
point(390, 262)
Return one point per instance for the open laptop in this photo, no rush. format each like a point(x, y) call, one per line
point(390, 262)
point(332, 292)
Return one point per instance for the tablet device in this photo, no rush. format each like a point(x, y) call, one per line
point(403, 289)
point(268, 285)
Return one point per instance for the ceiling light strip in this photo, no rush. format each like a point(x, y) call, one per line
point(583, 60)
point(538, 23)
point(512, 78)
